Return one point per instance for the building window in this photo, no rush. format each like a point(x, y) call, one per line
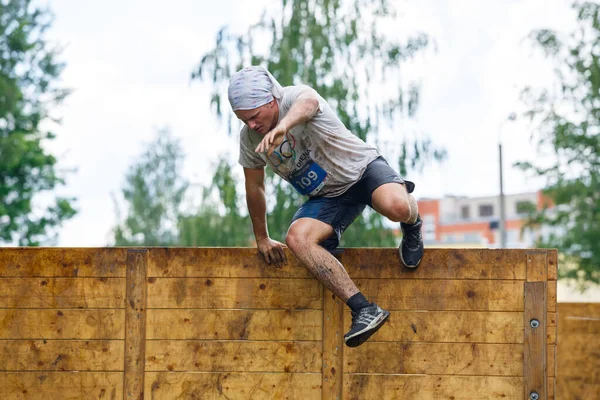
point(465, 212)
point(523, 207)
point(486, 210)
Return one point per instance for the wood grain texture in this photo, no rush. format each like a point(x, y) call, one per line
point(28, 262)
point(430, 387)
point(62, 292)
point(234, 324)
point(233, 385)
point(234, 293)
point(439, 295)
point(61, 355)
point(62, 324)
point(233, 356)
point(61, 385)
point(435, 359)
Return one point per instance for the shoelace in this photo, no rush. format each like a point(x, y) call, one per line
point(363, 317)
point(412, 237)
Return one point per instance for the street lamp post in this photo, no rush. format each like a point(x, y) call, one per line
point(511, 117)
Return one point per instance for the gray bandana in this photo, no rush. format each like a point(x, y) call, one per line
point(252, 87)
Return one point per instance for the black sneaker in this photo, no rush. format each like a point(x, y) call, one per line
point(411, 247)
point(365, 323)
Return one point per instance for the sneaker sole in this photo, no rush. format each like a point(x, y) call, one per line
point(360, 337)
point(404, 262)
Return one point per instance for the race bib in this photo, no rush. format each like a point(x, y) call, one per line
point(308, 179)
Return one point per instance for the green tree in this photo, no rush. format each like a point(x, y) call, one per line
point(153, 191)
point(218, 221)
point(567, 121)
point(29, 73)
point(337, 48)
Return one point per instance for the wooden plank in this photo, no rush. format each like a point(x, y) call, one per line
point(233, 385)
point(439, 295)
point(333, 346)
point(450, 326)
point(364, 263)
point(551, 295)
point(60, 385)
point(62, 262)
point(61, 355)
point(534, 346)
point(577, 388)
point(135, 325)
point(233, 356)
point(552, 330)
point(435, 358)
point(62, 324)
point(234, 293)
point(587, 310)
point(537, 266)
point(430, 387)
point(552, 265)
point(234, 324)
point(214, 262)
point(62, 292)
point(384, 263)
point(551, 388)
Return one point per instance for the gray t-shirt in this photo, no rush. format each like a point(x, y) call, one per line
point(319, 158)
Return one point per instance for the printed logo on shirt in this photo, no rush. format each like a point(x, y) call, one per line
point(302, 171)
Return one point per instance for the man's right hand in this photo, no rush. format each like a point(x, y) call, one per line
point(273, 252)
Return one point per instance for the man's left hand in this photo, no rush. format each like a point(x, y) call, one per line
point(271, 140)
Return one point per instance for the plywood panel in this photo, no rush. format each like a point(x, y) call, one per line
point(235, 324)
point(62, 262)
point(435, 358)
point(62, 324)
point(438, 295)
point(61, 385)
point(450, 326)
point(430, 387)
point(384, 263)
point(62, 292)
point(61, 355)
point(229, 356)
point(234, 293)
point(232, 385)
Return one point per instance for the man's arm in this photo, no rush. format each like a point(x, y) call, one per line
point(305, 107)
point(257, 208)
point(256, 200)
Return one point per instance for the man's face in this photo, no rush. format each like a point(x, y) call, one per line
point(261, 119)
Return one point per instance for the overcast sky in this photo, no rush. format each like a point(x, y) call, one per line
point(129, 64)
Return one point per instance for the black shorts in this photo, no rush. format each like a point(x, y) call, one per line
point(341, 211)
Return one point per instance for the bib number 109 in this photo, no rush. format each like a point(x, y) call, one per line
point(309, 178)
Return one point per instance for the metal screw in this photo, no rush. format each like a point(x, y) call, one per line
point(534, 396)
point(534, 324)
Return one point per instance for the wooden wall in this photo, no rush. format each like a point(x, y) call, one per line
point(218, 323)
point(578, 375)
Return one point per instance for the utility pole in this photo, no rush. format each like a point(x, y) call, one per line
point(502, 205)
point(511, 117)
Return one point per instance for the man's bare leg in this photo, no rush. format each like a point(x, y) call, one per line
point(303, 240)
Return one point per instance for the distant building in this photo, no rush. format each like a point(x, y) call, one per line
point(475, 221)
